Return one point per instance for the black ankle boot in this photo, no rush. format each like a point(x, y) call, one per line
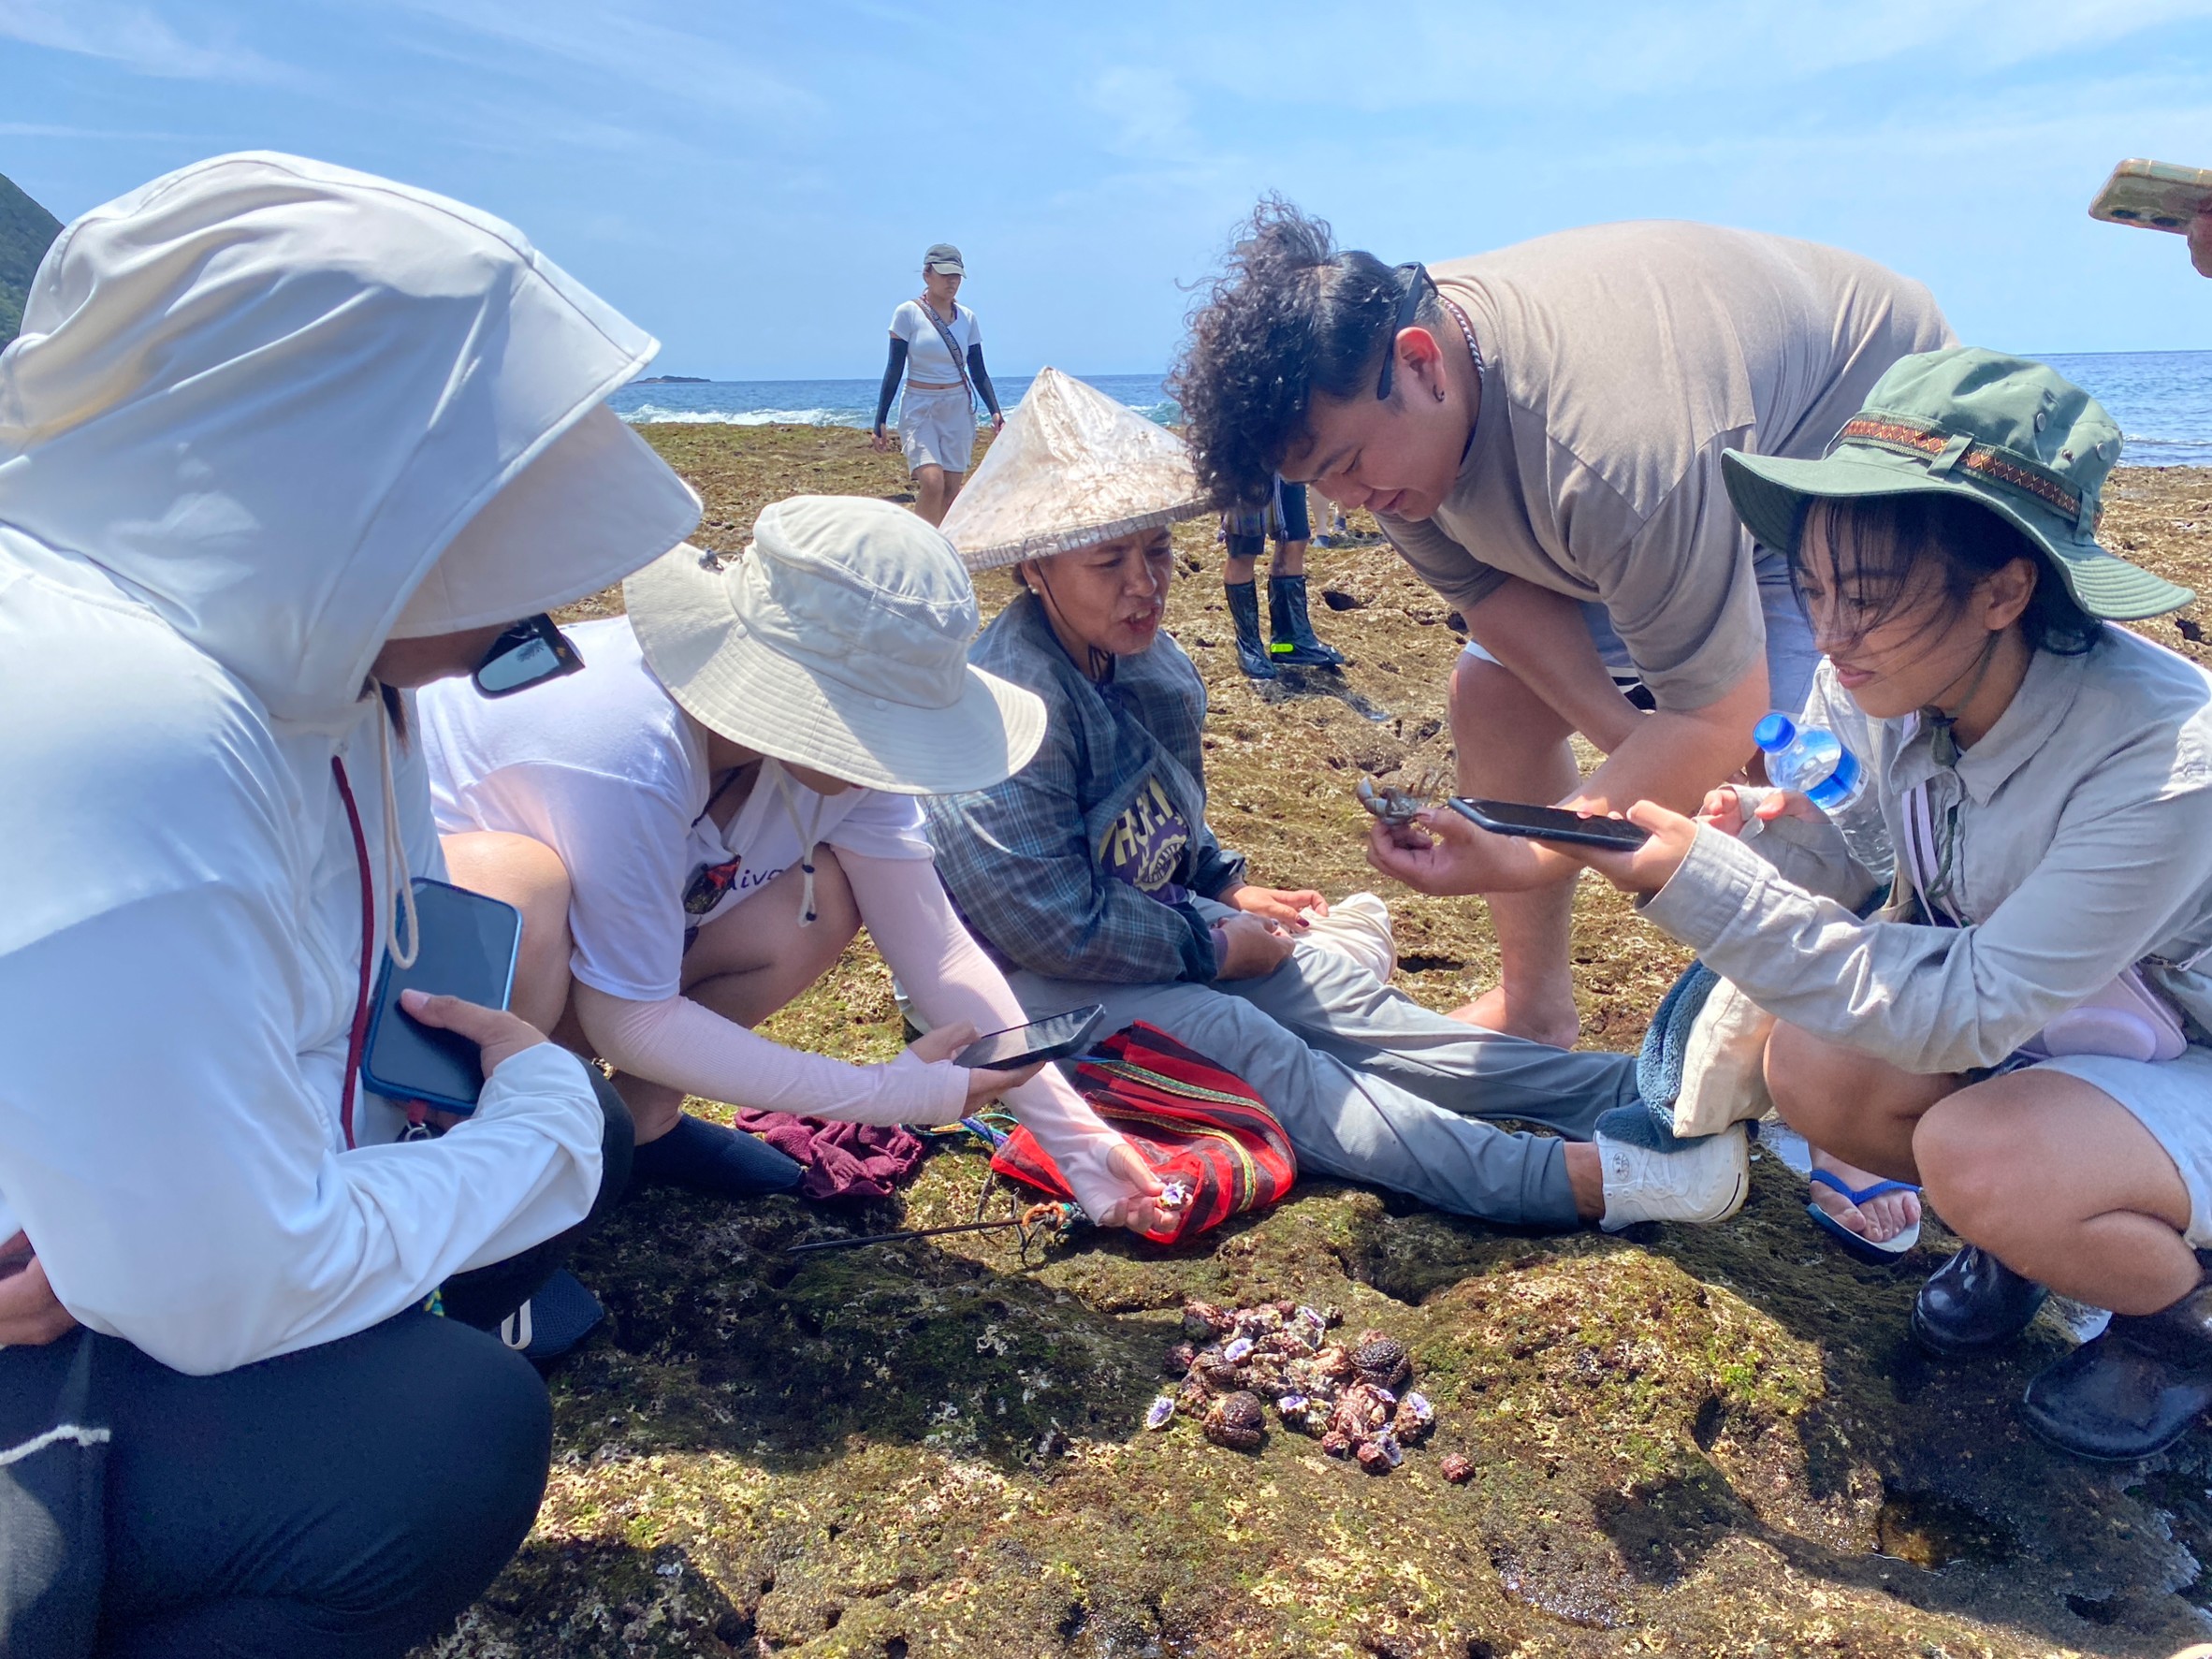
point(2133, 1391)
point(1972, 1302)
point(1286, 607)
point(1243, 609)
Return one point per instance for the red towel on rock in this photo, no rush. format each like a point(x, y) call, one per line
point(844, 1160)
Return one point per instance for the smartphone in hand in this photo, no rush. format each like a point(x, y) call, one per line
point(2154, 196)
point(1551, 824)
point(1053, 1038)
point(467, 946)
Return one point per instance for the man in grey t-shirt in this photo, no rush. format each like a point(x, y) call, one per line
point(1540, 431)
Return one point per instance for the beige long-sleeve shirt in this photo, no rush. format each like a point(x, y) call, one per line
point(2078, 842)
point(1619, 361)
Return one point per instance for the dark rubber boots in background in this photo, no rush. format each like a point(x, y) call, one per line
point(2123, 1395)
point(1291, 642)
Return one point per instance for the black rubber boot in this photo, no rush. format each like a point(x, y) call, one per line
point(2133, 1391)
point(1972, 1303)
point(1243, 609)
point(1294, 629)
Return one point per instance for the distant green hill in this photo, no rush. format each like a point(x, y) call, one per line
point(26, 231)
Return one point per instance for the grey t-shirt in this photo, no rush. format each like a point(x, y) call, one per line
point(1619, 361)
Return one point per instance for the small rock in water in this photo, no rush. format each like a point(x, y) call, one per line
point(1455, 1468)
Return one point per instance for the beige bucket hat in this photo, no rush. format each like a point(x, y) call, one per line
point(838, 641)
point(1072, 467)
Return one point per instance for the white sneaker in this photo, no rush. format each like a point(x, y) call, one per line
point(1698, 1181)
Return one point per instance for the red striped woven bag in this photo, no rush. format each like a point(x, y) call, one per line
point(1188, 1118)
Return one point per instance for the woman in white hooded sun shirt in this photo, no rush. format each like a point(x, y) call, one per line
point(278, 441)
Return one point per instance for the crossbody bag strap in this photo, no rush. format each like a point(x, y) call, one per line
point(944, 332)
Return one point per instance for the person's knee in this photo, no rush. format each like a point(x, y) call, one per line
point(528, 874)
point(1494, 714)
point(1968, 1167)
point(445, 1511)
point(1802, 1084)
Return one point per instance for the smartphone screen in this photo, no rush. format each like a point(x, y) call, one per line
point(1054, 1038)
point(1552, 823)
point(466, 950)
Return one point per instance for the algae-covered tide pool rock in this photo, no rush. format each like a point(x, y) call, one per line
point(1693, 1443)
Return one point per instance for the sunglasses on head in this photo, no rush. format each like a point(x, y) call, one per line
point(1416, 277)
point(528, 654)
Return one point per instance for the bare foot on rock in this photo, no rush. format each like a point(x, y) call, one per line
point(1553, 1020)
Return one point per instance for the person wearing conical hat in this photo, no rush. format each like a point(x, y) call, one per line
point(1092, 873)
point(696, 823)
point(2022, 1030)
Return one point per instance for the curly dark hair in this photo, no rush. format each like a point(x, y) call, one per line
point(1290, 316)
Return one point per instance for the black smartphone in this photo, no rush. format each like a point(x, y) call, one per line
point(466, 948)
point(1054, 1038)
point(1552, 823)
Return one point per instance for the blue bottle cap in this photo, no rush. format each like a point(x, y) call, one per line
point(1774, 734)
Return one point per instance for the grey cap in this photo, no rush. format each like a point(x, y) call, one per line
point(945, 259)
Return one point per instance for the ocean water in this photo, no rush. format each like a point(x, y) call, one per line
point(2161, 399)
point(836, 402)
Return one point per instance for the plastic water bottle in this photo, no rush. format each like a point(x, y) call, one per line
point(1814, 761)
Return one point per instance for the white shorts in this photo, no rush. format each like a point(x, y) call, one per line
point(2172, 1099)
point(1791, 656)
point(936, 430)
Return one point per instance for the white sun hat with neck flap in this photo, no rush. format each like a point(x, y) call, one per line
point(1072, 468)
point(838, 642)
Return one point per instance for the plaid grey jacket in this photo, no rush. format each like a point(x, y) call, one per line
point(1022, 860)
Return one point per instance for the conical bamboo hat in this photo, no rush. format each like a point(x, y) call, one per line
point(1072, 467)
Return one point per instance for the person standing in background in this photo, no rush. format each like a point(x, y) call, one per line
point(937, 345)
point(1245, 531)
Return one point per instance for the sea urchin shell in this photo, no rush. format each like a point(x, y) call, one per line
point(1383, 1361)
point(1237, 1421)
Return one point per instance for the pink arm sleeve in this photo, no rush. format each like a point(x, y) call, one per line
point(687, 1046)
point(949, 978)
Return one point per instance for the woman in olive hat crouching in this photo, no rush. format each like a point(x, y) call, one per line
point(2022, 1027)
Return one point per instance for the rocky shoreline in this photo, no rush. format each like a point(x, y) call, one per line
point(1678, 1442)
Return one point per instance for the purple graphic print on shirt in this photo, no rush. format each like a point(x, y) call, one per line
point(1147, 845)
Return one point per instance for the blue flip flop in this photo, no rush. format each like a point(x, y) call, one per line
point(1856, 1244)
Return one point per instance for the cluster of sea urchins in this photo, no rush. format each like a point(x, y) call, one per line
point(1353, 1396)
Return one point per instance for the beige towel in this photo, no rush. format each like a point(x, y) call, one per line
point(1724, 1064)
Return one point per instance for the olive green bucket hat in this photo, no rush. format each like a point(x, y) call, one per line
point(2007, 433)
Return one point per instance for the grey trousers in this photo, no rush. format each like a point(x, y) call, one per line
point(1374, 1087)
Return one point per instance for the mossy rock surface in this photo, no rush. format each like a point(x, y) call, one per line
point(1716, 1442)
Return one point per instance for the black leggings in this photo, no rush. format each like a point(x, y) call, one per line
point(348, 1500)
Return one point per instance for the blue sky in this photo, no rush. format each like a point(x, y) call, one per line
point(755, 183)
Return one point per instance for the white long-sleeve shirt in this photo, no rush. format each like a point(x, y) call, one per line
point(255, 408)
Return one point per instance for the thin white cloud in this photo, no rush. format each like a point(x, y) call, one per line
point(136, 37)
point(620, 41)
point(35, 129)
point(1147, 112)
point(1504, 54)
